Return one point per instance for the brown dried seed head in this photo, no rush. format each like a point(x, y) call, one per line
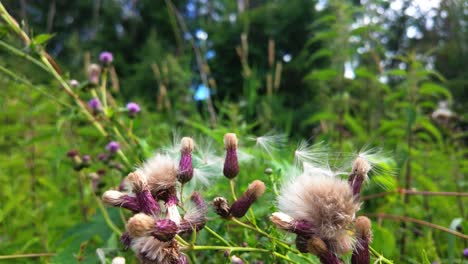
point(137, 180)
point(363, 227)
point(230, 141)
point(186, 144)
point(282, 221)
point(140, 225)
point(221, 206)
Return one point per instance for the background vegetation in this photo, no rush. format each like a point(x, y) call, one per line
point(389, 74)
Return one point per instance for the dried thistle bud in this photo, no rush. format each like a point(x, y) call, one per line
point(118, 260)
point(364, 237)
point(74, 155)
point(236, 260)
point(256, 189)
point(318, 247)
point(221, 207)
point(118, 199)
point(140, 225)
point(358, 175)
point(126, 240)
point(231, 164)
point(301, 243)
point(164, 230)
point(282, 221)
point(185, 173)
point(183, 259)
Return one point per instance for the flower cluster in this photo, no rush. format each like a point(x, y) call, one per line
point(152, 197)
point(320, 208)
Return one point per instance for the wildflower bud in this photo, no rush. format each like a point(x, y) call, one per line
point(106, 58)
point(95, 105)
point(101, 172)
point(133, 109)
point(358, 175)
point(268, 171)
point(113, 147)
point(236, 260)
point(185, 173)
point(301, 243)
point(465, 252)
point(318, 247)
point(72, 153)
point(86, 160)
point(364, 237)
point(140, 225)
point(126, 240)
point(172, 211)
point(147, 203)
point(76, 159)
point(221, 207)
point(255, 190)
point(231, 165)
point(94, 71)
point(165, 230)
point(118, 260)
point(74, 83)
point(104, 157)
point(118, 199)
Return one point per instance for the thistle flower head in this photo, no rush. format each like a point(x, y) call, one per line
point(364, 237)
point(363, 228)
point(185, 164)
point(318, 247)
point(165, 229)
point(140, 225)
point(256, 189)
point(119, 199)
point(326, 202)
point(133, 109)
point(160, 172)
point(195, 217)
point(106, 57)
point(72, 153)
point(113, 147)
point(151, 250)
point(95, 105)
point(231, 164)
point(236, 260)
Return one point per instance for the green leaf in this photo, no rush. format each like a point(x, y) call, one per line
point(42, 38)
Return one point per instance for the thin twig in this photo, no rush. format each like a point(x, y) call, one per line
point(411, 192)
point(31, 255)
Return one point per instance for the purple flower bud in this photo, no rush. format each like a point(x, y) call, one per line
point(101, 172)
point(183, 259)
point(147, 203)
point(72, 153)
point(113, 146)
point(86, 160)
point(133, 109)
point(465, 252)
point(240, 207)
point(165, 230)
point(94, 72)
point(185, 173)
point(106, 57)
point(231, 164)
point(301, 243)
point(95, 105)
point(126, 240)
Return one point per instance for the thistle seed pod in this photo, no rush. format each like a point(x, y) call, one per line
point(140, 225)
point(287, 223)
point(221, 207)
point(185, 173)
point(358, 175)
point(126, 240)
point(318, 247)
point(118, 199)
point(240, 207)
point(148, 204)
point(231, 164)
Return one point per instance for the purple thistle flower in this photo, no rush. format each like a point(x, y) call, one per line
point(106, 57)
point(133, 109)
point(465, 252)
point(103, 157)
point(95, 105)
point(231, 164)
point(239, 208)
point(72, 153)
point(165, 230)
point(113, 146)
point(185, 165)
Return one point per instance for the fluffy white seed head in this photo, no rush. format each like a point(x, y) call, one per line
point(282, 220)
point(186, 144)
point(230, 141)
point(160, 172)
point(311, 154)
point(151, 250)
point(112, 197)
point(325, 201)
point(140, 225)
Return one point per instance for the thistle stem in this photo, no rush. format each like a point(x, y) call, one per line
point(233, 190)
point(31, 255)
point(106, 217)
point(379, 257)
point(211, 231)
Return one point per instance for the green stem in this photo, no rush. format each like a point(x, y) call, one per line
point(217, 235)
point(250, 249)
point(379, 256)
point(104, 89)
point(32, 255)
point(24, 55)
point(107, 219)
point(233, 190)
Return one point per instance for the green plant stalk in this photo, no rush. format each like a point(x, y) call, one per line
point(104, 89)
point(31, 255)
point(233, 189)
point(379, 257)
point(23, 55)
point(106, 217)
point(211, 231)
